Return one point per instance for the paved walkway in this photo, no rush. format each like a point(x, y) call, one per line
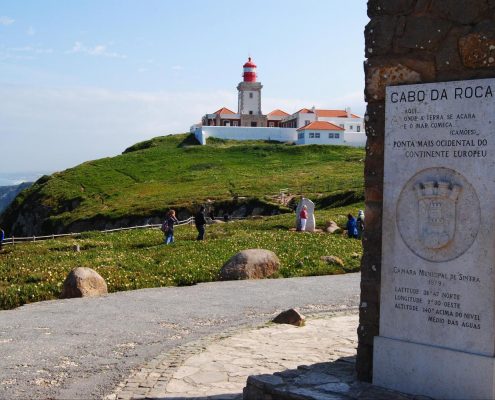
point(220, 370)
point(316, 361)
point(82, 348)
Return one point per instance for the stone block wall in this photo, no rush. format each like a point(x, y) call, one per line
point(410, 41)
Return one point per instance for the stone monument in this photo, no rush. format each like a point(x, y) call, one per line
point(437, 298)
point(310, 225)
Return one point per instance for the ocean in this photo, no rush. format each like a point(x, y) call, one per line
point(16, 178)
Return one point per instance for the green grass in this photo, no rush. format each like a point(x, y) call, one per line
point(171, 172)
point(136, 259)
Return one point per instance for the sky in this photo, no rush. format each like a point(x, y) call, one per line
point(81, 80)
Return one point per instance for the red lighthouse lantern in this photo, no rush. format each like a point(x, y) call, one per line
point(249, 74)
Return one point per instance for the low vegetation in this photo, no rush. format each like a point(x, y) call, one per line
point(137, 259)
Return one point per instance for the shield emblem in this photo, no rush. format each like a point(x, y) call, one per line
point(436, 213)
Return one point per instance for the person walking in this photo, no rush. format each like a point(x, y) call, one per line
point(360, 223)
point(200, 222)
point(303, 218)
point(168, 227)
point(352, 230)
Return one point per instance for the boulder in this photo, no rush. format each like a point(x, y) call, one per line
point(250, 264)
point(83, 282)
point(292, 317)
point(331, 227)
point(333, 260)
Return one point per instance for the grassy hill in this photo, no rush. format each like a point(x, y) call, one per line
point(172, 171)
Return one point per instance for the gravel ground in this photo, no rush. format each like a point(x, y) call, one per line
point(82, 348)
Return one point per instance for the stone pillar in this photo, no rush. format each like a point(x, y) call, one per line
point(410, 41)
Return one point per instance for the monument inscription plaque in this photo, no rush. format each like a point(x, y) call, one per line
point(437, 326)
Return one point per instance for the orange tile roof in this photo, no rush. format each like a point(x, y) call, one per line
point(224, 110)
point(321, 126)
point(278, 113)
point(304, 110)
point(334, 114)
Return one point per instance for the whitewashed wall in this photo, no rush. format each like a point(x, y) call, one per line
point(281, 134)
point(355, 139)
point(347, 122)
point(245, 133)
point(323, 139)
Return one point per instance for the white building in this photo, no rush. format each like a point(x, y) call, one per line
point(320, 132)
point(277, 125)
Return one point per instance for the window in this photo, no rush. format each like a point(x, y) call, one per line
point(253, 124)
point(234, 123)
point(300, 135)
point(307, 122)
point(250, 113)
point(358, 128)
point(317, 135)
point(351, 127)
point(271, 124)
point(337, 135)
point(311, 135)
point(226, 123)
point(250, 95)
point(330, 135)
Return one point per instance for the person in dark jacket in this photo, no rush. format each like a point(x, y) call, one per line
point(352, 230)
point(171, 220)
point(2, 238)
point(200, 222)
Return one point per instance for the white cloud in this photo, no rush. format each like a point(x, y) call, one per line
point(6, 20)
point(177, 67)
point(58, 128)
point(31, 31)
point(98, 50)
point(30, 49)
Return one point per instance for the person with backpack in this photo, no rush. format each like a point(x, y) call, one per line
point(352, 230)
point(200, 222)
point(168, 227)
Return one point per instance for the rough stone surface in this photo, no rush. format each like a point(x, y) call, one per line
point(378, 78)
point(250, 264)
point(333, 260)
point(433, 40)
point(292, 317)
point(83, 282)
point(331, 227)
point(477, 50)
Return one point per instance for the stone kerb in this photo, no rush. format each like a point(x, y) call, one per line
point(311, 223)
point(408, 42)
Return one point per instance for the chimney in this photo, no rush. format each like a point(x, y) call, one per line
point(348, 111)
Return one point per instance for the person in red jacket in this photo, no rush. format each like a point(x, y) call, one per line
point(303, 218)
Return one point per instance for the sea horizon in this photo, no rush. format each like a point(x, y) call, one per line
point(16, 178)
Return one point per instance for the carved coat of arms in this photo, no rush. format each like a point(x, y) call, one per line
point(436, 212)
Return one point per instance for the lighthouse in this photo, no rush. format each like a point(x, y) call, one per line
point(249, 99)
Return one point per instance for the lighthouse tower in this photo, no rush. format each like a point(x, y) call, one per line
point(250, 97)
